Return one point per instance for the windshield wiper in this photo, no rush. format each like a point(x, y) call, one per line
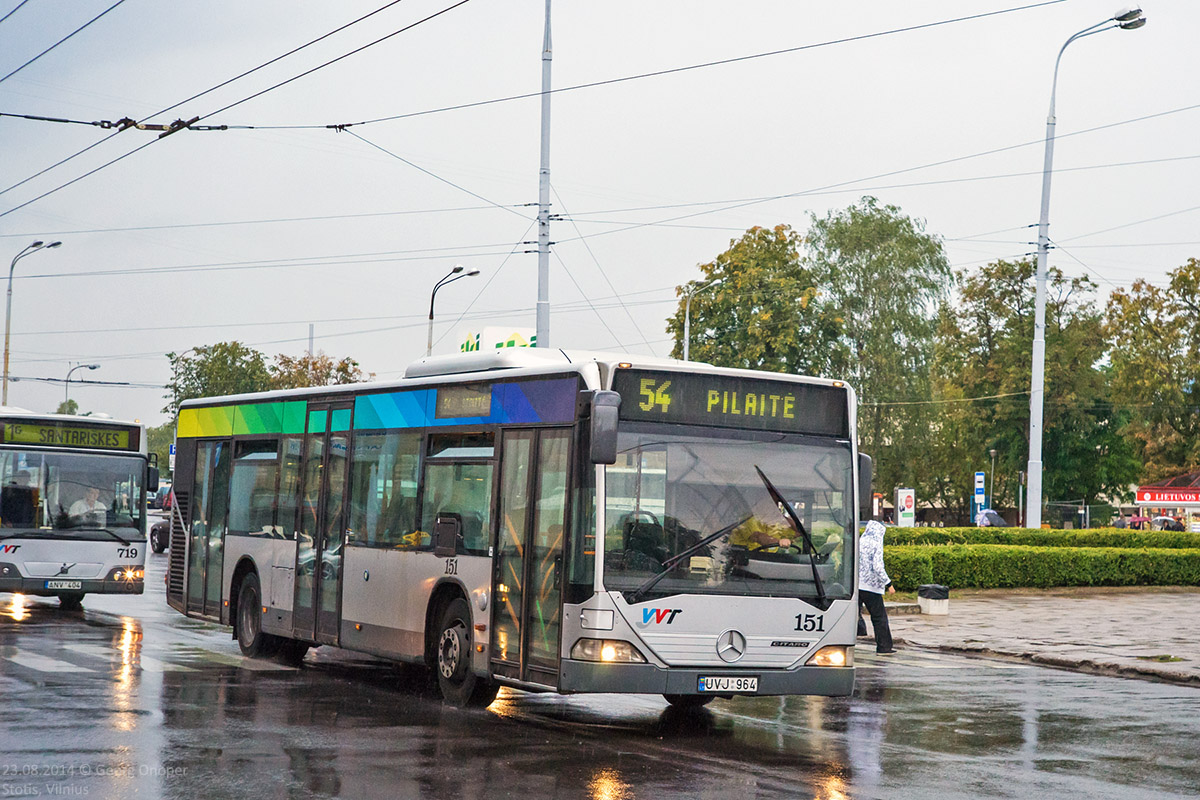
point(670, 563)
point(102, 530)
point(794, 519)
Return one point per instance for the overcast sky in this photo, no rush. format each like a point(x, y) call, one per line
point(280, 228)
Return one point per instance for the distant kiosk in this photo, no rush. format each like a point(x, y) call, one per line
point(497, 338)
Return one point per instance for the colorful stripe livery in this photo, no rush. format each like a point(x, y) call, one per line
point(520, 403)
point(541, 401)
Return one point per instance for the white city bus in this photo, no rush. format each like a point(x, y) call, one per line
point(72, 505)
point(542, 519)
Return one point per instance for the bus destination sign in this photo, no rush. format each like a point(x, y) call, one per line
point(50, 435)
point(691, 399)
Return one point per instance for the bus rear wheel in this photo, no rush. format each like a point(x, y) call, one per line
point(70, 602)
point(688, 700)
point(460, 686)
point(251, 639)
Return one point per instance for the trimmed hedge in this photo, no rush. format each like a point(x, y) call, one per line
point(1090, 537)
point(992, 566)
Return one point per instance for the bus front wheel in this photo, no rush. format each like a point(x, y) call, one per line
point(251, 639)
point(459, 685)
point(70, 602)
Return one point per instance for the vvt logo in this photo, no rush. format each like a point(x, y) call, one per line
point(9, 548)
point(658, 615)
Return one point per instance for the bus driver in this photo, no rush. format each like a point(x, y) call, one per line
point(89, 510)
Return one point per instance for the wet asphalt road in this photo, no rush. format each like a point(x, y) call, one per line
point(128, 699)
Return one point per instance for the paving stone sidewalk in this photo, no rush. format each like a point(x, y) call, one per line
point(1112, 631)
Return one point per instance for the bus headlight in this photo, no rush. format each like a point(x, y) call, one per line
point(832, 655)
point(127, 574)
point(607, 650)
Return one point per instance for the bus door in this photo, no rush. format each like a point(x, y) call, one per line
point(209, 513)
point(321, 533)
point(527, 610)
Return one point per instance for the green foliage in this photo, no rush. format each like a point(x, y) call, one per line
point(764, 314)
point(158, 440)
point(215, 370)
point(983, 351)
point(294, 372)
point(990, 566)
point(69, 407)
point(233, 368)
point(1154, 333)
point(884, 276)
point(1091, 537)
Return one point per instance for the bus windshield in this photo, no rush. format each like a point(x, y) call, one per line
point(70, 495)
point(674, 486)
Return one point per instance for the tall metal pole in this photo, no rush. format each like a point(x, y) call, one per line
point(687, 315)
point(1130, 20)
point(687, 326)
point(543, 296)
point(32, 248)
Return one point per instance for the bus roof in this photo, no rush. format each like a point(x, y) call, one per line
point(516, 362)
point(13, 412)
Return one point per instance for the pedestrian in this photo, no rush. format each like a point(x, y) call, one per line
point(1120, 521)
point(873, 583)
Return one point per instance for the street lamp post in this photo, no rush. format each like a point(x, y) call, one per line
point(687, 315)
point(32, 248)
point(450, 277)
point(1126, 20)
point(71, 371)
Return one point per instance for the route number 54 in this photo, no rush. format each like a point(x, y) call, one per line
point(657, 395)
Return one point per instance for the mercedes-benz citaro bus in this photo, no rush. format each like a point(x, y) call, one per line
point(72, 505)
point(541, 519)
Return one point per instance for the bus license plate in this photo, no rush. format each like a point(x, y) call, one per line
point(64, 584)
point(727, 683)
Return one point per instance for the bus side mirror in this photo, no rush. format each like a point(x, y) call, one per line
point(865, 507)
point(151, 480)
point(605, 406)
point(447, 530)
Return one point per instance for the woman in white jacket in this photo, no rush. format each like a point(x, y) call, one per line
point(873, 582)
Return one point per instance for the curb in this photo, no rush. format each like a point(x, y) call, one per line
point(1088, 666)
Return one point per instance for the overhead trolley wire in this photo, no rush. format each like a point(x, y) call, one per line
point(657, 73)
point(15, 10)
point(60, 41)
point(181, 124)
point(201, 94)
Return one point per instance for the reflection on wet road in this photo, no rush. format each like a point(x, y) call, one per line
point(129, 699)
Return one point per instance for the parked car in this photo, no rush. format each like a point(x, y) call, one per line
point(158, 498)
point(160, 535)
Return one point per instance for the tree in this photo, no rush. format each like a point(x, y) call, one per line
point(159, 440)
point(981, 380)
point(764, 314)
point(68, 407)
point(883, 277)
point(1155, 355)
point(294, 372)
point(215, 370)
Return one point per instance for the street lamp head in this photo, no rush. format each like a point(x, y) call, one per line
point(1127, 14)
point(472, 273)
point(1132, 25)
point(97, 366)
point(53, 245)
point(457, 269)
point(992, 453)
point(36, 244)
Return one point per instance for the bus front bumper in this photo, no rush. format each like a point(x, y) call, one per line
point(12, 581)
point(591, 676)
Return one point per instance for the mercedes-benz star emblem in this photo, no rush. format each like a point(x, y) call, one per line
point(731, 646)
